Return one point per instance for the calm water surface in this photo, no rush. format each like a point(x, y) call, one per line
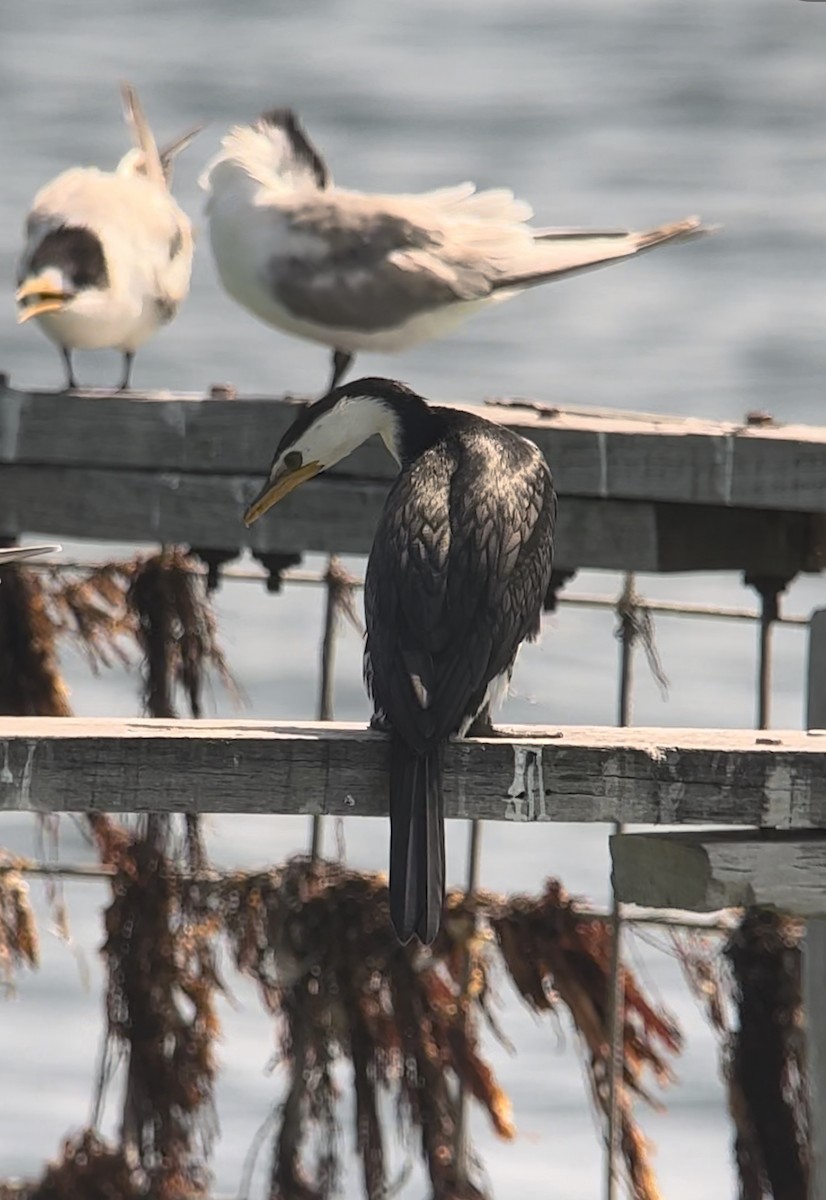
point(598, 113)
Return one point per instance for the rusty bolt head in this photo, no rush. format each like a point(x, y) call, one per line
point(758, 418)
point(223, 391)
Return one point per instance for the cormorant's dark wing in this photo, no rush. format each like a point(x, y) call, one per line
point(460, 566)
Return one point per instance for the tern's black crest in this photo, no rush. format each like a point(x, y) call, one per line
point(303, 149)
point(75, 251)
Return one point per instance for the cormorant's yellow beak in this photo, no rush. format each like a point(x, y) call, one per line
point(276, 489)
point(46, 297)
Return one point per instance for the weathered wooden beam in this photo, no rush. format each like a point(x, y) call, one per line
point(335, 514)
point(612, 455)
point(814, 943)
point(703, 872)
point(659, 776)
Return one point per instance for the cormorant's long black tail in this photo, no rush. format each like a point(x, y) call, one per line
point(417, 841)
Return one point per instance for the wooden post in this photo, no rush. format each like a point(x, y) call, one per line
point(616, 1001)
point(814, 946)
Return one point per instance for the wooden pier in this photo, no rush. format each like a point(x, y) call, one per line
point(638, 492)
point(635, 775)
point(641, 492)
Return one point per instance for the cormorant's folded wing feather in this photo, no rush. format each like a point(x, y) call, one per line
point(455, 583)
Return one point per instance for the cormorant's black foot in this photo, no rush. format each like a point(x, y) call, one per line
point(380, 723)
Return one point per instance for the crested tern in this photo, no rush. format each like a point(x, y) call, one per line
point(358, 271)
point(108, 254)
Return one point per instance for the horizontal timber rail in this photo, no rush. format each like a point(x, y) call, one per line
point(640, 492)
point(530, 773)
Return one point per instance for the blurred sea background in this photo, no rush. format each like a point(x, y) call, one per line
point(598, 113)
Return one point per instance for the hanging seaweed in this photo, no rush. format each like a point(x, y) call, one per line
point(159, 935)
point(176, 631)
point(766, 1062)
point(160, 1009)
point(554, 953)
point(88, 1169)
point(88, 606)
point(19, 946)
point(704, 969)
point(30, 680)
point(317, 939)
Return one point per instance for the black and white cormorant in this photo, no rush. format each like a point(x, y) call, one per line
point(459, 568)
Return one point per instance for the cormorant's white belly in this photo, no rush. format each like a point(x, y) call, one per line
point(494, 695)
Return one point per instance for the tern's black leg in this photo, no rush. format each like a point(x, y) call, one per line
point(128, 359)
point(341, 365)
point(71, 382)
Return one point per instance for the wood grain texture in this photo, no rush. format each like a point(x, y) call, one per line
point(658, 776)
point(704, 872)
point(624, 456)
point(332, 514)
point(814, 945)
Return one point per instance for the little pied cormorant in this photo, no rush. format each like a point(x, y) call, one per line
point(459, 568)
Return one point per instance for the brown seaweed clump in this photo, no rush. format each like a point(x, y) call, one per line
point(158, 604)
point(19, 944)
point(176, 631)
point(552, 952)
point(317, 939)
point(160, 1008)
point(766, 1065)
point(162, 979)
point(88, 1169)
point(30, 680)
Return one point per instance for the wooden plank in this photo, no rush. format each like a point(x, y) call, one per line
point(612, 455)
point(658, 776)
point(332, 514)
point(704, 872)
point(814, 943)
point(814, 989)
point(816, 671)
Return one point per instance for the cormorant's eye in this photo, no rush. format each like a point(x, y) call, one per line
point(293, 460)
